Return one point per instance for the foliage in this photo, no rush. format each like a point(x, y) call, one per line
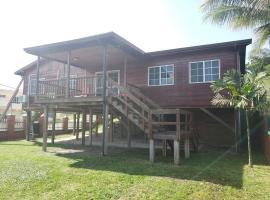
point(241, 14)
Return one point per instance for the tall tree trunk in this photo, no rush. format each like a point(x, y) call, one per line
point(250, 164)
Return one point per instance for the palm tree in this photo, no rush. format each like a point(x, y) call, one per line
point(244, 92)
point(241, 14)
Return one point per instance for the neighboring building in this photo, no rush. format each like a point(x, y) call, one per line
point(149, 90)
point(16, 108)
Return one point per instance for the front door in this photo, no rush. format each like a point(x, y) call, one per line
point(113, 75)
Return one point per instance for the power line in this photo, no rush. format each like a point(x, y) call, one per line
point(7, 86)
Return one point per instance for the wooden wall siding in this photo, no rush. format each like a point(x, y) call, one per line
point(182, 93)
point(211, 132)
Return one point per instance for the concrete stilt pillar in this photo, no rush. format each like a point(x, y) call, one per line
point(78, 126)
point(83, 127)
point(128, 135)
point(90, 127)
point(28, 125)
point(74, 124)
point(187, 150)
point(151, 150)
point(53, 126)
point(176, 148)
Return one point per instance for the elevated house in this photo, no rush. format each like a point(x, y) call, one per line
point(162, 95)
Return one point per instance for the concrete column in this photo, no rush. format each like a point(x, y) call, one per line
point(176, 148)
point(187, 150)
point(106, 130)
point(74, 124)
point(65, 123)
point(151, 150)
point(90, 127)
point(78, 126)
point(45, 129)
point(128, 135)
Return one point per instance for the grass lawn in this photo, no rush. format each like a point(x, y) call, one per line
point(65, 172)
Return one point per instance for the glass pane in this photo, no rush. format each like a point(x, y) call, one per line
point(169, 68)
point(215, 63)
point(163, 81)
point(208, 71)
point(163, 69)
point(215, 77)
point(200, 78)
point(193, 79)
point(193, 72)
point(215, 70)
point(200, 71)
point(208, 64)
point(200, 65)
point(163, 75)
point(208, 78)
point(170, 81)
point(193, 66)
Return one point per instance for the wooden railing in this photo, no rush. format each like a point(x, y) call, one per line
point(78, 87)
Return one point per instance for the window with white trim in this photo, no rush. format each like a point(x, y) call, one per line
point(204, 71)
point(161, 75)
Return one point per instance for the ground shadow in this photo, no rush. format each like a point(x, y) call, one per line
point(215, 166)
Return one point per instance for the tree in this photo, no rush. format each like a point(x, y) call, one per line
point(241, 14)
point(244, 92)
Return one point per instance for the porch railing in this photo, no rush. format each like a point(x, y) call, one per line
point(78, 87)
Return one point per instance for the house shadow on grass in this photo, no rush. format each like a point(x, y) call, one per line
point(215, 166)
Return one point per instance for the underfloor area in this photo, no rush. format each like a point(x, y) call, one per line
point(70, 171)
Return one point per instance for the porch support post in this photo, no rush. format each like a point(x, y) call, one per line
point(37, 77)
point(125, 71)
point(187, 149)
point(111, 128)
point(164, 148)
point(83, 127)
point(68, 75)
point(176, 148)
point(74, 124)
point(90, 127)
point(128, 135)
point(105, 104)
point(97, 124)
point(151, 150)
point(28, 124)
point(53, 126)
point(45, 129)
point(176, 143)
point(78, 126)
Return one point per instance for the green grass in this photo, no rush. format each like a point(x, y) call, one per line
point(64, 172)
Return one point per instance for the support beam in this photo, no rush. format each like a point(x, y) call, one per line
point(37, 77)
point(28, 125)
point(164, 148)
point(53, 126)
point(128, 135)
point(90, 127)
point(97, 124)
point(78, 126)
point(68, 76)
point(217, 119)
point(45, 129)
point(105, 130)
point(176, 148)
point(111, 128)
point(186, 147)
point(74, 124)
point(151, 150)
point(105, 104)
point(83, 127)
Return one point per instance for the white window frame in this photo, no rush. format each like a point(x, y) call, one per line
point(203, 61)
point(159, 66)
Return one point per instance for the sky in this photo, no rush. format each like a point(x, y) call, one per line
point(149, 24)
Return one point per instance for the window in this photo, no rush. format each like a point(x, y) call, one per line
point(161, 75)
point(204, 71)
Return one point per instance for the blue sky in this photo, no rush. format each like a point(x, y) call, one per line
point(151, 25)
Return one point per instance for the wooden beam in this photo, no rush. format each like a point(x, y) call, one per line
point(53, 126)
point(37, 77)
point(186, 147)
point(90, 127)
point(45, 129)
point(74, 124)
point(217, 119)
point(106, 130)
point(78, 126)
point(68, 76)
point(28, 124)
point(105, 104)
point(151, 150)
point(83, 127)
point(176, 148)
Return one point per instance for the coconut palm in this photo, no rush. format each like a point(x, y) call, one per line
point(241, 14)
point(244, 92)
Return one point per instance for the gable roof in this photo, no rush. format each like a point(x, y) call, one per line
point(116, 40)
